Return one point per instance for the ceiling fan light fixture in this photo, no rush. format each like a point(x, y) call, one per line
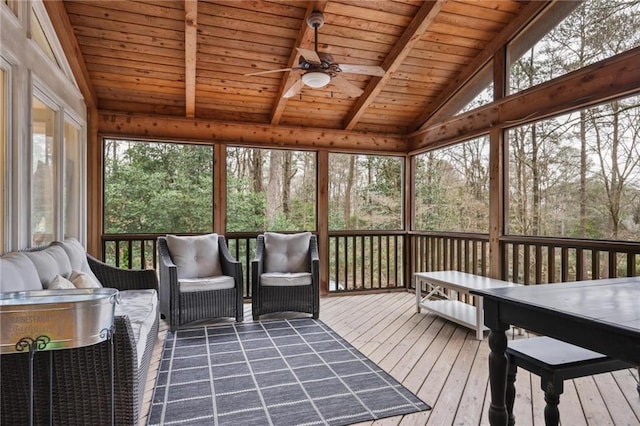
point(316, 79)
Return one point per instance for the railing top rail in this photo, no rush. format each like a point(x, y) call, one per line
point(356, 233)
point(583, 243)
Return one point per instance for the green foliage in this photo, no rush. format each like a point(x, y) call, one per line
point(157, 187)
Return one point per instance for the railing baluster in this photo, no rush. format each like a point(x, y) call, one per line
point(538, 260)
point(527, 264)
point(579, 264)
point(595, 264)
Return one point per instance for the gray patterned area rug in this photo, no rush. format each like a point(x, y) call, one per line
point(284, 372)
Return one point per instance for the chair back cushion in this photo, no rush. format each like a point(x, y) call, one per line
point(18, 273)
point(50, 262)
point(195, 256)
point(286, 252)
point(77, 256)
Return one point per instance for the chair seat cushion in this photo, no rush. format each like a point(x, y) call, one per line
point(274, 279)
point(141, 307)
point(220, 282)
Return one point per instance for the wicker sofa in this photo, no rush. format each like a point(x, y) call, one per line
point(81, 376)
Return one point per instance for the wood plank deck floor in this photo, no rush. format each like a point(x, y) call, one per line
point(447, 367)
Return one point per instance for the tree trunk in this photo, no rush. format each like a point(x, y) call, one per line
point(347, 192)
point(288, 172)
point(274, 188)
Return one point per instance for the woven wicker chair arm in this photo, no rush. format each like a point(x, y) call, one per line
point(123, 279)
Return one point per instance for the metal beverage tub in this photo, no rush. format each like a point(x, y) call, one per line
point(55, 319)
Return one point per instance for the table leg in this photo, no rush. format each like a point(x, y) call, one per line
point(498, 415)
point(418, 293)
point(479, 318)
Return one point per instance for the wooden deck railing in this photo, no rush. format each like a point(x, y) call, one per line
point(381, 260)
point(366, 260)
point(530, 260)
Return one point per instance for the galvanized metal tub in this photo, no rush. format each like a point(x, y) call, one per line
point(55, 319)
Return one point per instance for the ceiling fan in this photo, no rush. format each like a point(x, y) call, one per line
point(319, 69)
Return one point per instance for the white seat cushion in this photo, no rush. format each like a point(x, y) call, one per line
point(220, 282)
point(140, 306)
point(286, 253)
point(283, 279)
point(195, 256)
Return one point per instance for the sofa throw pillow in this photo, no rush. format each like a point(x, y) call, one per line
point(286, 252)
point(18, 273)
point(195, 256)
point(50, 262)
point(77, 256)
point(61, 283)
point(83, 280)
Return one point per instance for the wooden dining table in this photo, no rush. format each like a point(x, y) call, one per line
point(600, 315)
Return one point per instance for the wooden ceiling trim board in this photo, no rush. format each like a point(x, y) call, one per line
point(372, 14)
point(91, 42)
point(253, 15)
point(131, 30)
point(608, 79)
point(143, 8)
point(422, 20)
point(106, 34)
point(304, 40)
point(247, 9)
point(69, 42)
point(130, 17)
point(139, 60)
point(180, 128)
point(190, 50)
point(529, 12)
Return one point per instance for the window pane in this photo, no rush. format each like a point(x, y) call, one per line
point(365, 192)
point(578, 175)
point(593, 31)
point(452, 188)
point(157, 187)
point(270, 189)
point(39, 36)
point(43, 173)
point(72, 174)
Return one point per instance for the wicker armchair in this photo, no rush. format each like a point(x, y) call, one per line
point(188, 292)
point(285, 274)
point(81, 376)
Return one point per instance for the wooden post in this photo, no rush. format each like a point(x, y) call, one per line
point(322, 218)
point(220, 188)
point(497, 175)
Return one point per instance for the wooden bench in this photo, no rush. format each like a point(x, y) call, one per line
point(554, 361)
point(448, 306)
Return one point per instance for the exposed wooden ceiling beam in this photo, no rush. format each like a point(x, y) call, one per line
point(64, 30)
point(177, 128)
point(530, 11)
point(305, 41)
point(411, 36)
point(608, 79)
point(190, 50)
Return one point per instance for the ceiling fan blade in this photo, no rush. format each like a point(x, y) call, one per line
point(347, 87)
point(270, 71)
point(362, 69)
point(309, 55)
point(293, 89)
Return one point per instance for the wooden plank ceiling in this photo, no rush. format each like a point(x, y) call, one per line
point(188, 58)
